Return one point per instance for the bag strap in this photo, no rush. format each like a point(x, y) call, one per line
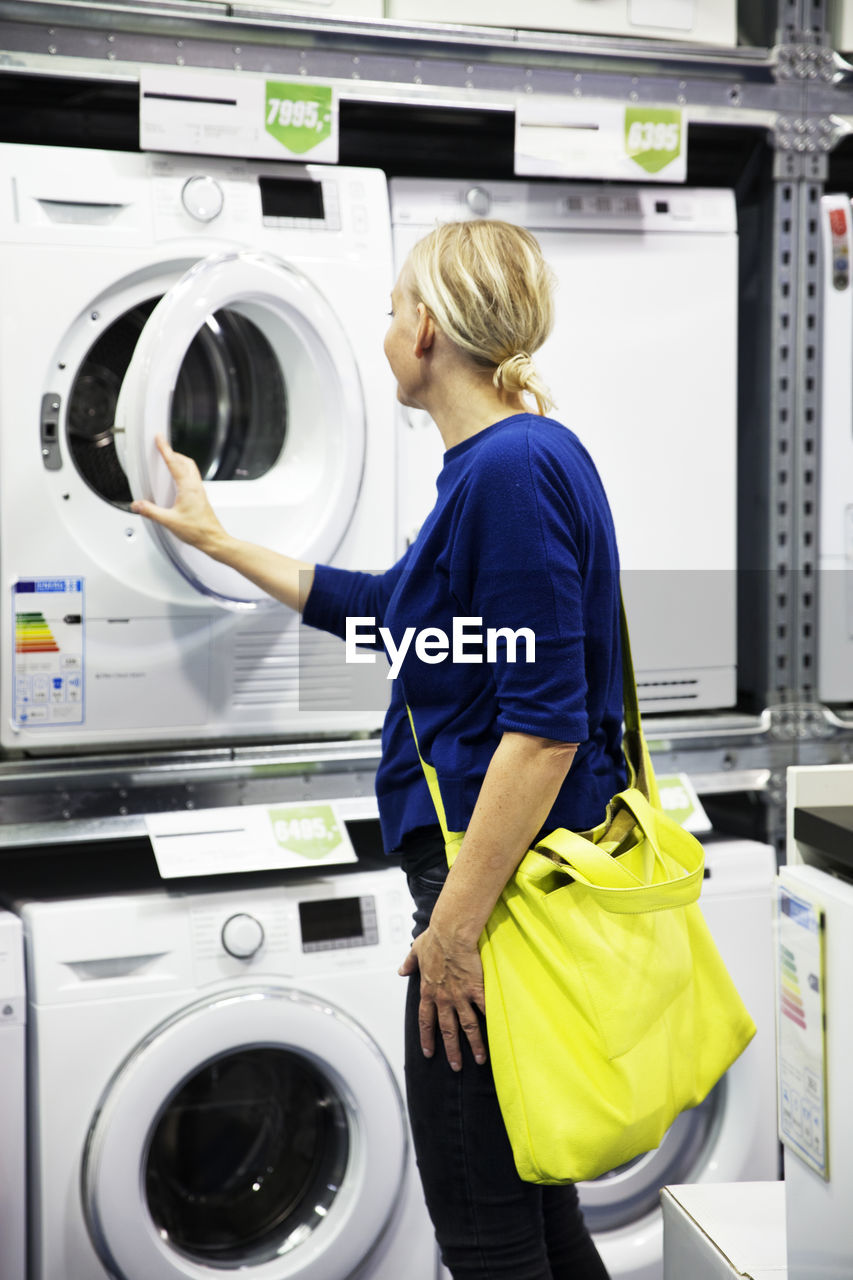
point(641, 775)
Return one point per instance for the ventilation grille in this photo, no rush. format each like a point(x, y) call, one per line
point(667, 690)
point(284, 668)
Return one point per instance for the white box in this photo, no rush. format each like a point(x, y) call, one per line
point(684, 21)
point(724, 1231)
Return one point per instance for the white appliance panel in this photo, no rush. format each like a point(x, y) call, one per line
point(255, 338)
point(819, 1230)
point(13, 1111)
point(642, 364)
point(701, 21)
point(835, 549)
point(732, 1136)
point(840, 21)
point(297, 984)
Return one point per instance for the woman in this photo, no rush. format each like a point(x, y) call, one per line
point(520, 537)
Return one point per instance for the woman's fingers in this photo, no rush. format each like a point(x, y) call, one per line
point(451, 985)
point(191, 517)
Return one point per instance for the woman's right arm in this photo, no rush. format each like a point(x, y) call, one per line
point(192, 519)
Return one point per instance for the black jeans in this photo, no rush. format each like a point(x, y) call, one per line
point(488, 1222)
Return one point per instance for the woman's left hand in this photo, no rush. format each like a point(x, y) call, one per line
point(451, 977)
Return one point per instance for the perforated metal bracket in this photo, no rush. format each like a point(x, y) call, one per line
point(809, 63)
point(802, 145)
point(796, 721)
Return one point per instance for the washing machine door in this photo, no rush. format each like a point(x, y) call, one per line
point(244, 366)
point(258, 1132)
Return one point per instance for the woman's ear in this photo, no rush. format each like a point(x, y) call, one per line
point(424, 332)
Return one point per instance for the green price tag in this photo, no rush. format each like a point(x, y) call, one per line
point(299, 116)
point(311, 831)
point(653, 136)
point(676, 800)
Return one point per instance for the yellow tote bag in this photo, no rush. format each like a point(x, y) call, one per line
point(608, 1007)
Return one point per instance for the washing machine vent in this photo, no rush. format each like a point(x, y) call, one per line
point(299, 668)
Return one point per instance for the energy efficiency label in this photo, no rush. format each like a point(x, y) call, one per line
point(47, 671)
point(801, 1027)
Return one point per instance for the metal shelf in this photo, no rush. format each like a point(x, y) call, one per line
point(799, 91)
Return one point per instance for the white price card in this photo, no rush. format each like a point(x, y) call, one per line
point(299, 836)
point(228, 114)
point(573, 138)
point(802, 1031)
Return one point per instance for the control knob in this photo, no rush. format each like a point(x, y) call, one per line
point(202, 198)
point(478, 201)
point(242, 935)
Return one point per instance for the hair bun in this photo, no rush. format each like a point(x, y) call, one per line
point(515, 371)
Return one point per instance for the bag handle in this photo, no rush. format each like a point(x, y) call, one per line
point(670, 879)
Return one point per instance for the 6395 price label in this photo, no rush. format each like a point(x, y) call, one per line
point(653, 136)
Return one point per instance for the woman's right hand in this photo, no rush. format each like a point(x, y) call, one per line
point(191, 517)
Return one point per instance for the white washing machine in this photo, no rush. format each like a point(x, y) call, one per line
point(731, 1137)
point(13, 1180)
point(217, 1085)
point(645, 313)
point(239, 308)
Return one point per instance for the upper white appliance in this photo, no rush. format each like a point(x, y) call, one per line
point(217, 1085)
point(13, 1179)
point(702, 21)
point(642, 364)
point(731, 1137)
point(238, 308)
point(819, 875)
point(835, 548)
point(316, 8)
point(840, 21)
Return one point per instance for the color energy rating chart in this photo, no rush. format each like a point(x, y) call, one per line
point(802, 1032)
point(48, 668)
point(790, 995)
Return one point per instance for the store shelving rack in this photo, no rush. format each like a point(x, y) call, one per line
point(789, 85)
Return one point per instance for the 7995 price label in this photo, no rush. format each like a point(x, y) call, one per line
point(653, 136)
point(300, 116)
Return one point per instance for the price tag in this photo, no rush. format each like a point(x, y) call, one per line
point(653, 137)
point(572, 138)
point(299, 116)
point(223, 114)
point(205, 842)
point(680, 802)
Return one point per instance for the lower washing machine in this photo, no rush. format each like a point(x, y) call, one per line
point(731, 1137)
point(217, 1085)
point(13, 1182)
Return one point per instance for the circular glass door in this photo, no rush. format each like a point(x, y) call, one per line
point(260, 1132)
point(229, 408)
point(246, 1158)
point(244, 366)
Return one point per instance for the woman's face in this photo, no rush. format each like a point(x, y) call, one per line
point(401, 338)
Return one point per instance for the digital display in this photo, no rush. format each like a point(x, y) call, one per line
point(331, 920)
point(291, 198)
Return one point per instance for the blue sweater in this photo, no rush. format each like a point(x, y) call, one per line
point(520, 537)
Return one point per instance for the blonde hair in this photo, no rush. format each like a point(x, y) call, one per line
point(488, 288)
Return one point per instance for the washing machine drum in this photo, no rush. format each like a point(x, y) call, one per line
point(229, 406)
point(244, 366)
point(259, 1132)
